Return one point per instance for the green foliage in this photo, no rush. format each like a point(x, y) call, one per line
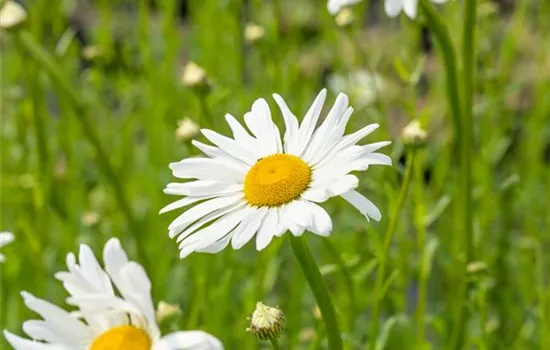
point(126, 76)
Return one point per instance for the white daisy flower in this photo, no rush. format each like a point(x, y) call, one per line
point(105, 319)
point(394, 7)
point(5, 238)
point(256, 183)
point(334, 6)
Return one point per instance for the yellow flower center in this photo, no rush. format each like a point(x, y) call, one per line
point(122, 338)
point(276, 180)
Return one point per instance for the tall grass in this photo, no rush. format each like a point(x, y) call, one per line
point(88, 129)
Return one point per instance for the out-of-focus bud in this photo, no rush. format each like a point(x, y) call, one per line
point(193, 75)
point(253, 32)
point(92, 52)
point(413, 135)
point(165, 311)
point(267, 322)
point(90, 218)
point(12, 15)
point(476, 267)
point(186, 130)
point(344, 18)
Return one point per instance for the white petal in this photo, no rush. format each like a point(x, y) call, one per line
point(201, 210)
point(188, 340)
point(230, 146)
point(319, 139)
point(316, 194)
point(309, 123)
point(334, 6)
point(291, 123)
point(19, 343)
point(248, 227)
point(241, 135)
point(260, 123)
point(393, 7)
point(409, 7)
point(217, 153)
point(267, 230)
point(361, 203)
point(221, 170)
point(320, 222)
point(217, 246)
point(209, 235)
point(328, 150)
point(205, 220)
point(202, 188)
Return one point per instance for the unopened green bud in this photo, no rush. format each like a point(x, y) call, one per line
point(267, 322)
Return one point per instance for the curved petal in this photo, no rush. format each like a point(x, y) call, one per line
point(291, 123)
point(393, 7)
point(19, 343)
point(188, 340)
point(308, 124)
point(361, 203)
point(409, 7)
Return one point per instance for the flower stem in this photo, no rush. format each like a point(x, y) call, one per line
point(449, 58)
point(310, 269)
point(275, 344)
point(465, 185)
point(383, 255)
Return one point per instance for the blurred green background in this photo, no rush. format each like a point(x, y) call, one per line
point(124, 62)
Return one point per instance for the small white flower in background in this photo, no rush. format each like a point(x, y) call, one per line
point(334, 6)
point(186, 130)
point(344, 18)
point(5, 238)
point(193, 75)
point(11, 15)
point(410, 7)
point(363, 87)
point(166, 310)
point(115, 310)
point(253, 32)
point(260, 183)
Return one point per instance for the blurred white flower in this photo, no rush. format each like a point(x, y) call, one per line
point(253, 32)
point(105, 319)
point(193, 75)
point(394, 7)
point(166, 310)
point(261, 184)
point(334, 6)
point(11, 15)
point(186, 129)
point(5, 238)
point(363, 87)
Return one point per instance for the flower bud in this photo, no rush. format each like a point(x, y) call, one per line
point(186, 130)
point(413, 135)
point(12, 15)
point(193, 75)
point(267, 322)
point(344, 17)
point(253, 32)
point(166, 310)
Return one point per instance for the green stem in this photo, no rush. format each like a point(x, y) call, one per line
point(41, 56)
point(384, 254)
point(442, 36)
point(465, 185)
point(310, 269)
point(275, 344)
point(420, 223)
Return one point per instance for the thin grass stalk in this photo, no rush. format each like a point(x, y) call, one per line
point(384, 254)
point(465, 185)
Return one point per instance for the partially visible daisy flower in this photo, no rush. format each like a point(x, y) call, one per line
point(5, 238)
point(115, 310)
point(394, 7)
point(334, 6)
point(257, 184)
